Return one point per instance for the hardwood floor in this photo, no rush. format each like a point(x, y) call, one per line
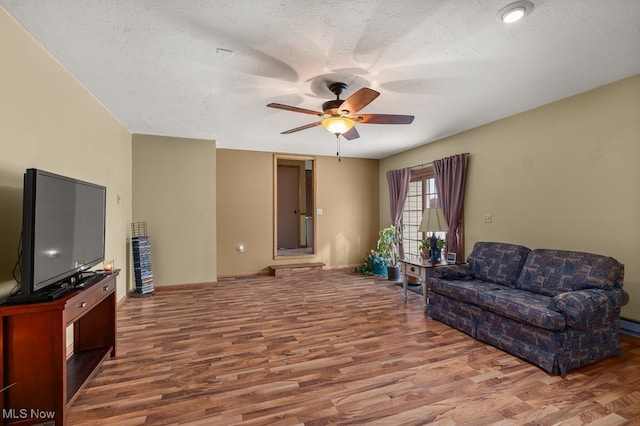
point(331, 348)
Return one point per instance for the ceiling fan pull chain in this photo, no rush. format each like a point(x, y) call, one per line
point(338, 147)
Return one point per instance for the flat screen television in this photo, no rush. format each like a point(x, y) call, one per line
point(63, 229)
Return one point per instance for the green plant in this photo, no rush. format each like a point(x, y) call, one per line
point(388, 244)
point(374, 257)
point(426, 243)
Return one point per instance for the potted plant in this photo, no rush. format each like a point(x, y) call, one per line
point(374, 264)
point(425, 247)
point(388, 247)
point(441, 243)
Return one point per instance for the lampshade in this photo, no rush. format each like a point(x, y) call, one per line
point(433, 220)
point(338, 125)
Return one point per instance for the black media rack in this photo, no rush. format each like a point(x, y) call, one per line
point(141, 249)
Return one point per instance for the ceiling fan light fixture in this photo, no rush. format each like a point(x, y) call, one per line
point(338, 125)
point(513, 12)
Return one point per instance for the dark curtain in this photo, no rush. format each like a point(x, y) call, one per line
point(450, 175)
point(398, 189)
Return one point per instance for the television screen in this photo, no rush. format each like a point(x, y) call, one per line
point(63, 228)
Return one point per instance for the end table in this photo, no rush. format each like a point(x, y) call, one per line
point(422, 270)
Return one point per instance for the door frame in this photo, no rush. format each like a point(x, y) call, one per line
point(314, 167)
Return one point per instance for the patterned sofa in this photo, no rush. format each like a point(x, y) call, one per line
point(556, 309)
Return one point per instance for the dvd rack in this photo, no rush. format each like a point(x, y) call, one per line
point(141, 248)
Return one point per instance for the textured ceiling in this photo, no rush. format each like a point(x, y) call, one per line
point(207, 69)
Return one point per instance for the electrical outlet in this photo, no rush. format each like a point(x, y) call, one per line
point(488, 218)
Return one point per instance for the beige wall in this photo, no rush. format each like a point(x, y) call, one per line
point(348, 195)
point(174, 192)
point(49, 121)
point(346, 191)
point(561, 176)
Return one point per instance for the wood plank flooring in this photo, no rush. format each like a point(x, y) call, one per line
point(331, 347)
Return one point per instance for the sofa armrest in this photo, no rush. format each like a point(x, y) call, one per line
point(454, 272)
point(585, 309)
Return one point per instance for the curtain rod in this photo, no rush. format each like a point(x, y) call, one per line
point(422, 166)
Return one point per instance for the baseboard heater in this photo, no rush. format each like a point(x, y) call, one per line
point(629, 327)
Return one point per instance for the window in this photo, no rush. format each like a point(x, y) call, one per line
point(422, 194)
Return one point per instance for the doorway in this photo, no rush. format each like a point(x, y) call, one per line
point(294, 206)
point(288, 207)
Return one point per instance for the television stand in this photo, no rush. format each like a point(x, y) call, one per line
point(39, 382)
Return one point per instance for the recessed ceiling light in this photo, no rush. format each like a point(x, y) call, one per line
point(515, 11)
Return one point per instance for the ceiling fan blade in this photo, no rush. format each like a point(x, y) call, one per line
point(294, 109)
point(383, 118)
point(306, 126)
point(359, 100)
point(351, 134)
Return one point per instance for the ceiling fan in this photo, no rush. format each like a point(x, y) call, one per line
point(340, 116)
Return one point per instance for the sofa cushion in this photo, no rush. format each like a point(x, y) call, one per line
point(464, 290)
point(551, 272)
point(453, 272)
point(523, 306)
point(497, 262)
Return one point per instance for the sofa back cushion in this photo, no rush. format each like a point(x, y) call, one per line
point(498, 263)
point(551, 272)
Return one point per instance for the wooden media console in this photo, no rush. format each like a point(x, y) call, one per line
point(39, 382)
